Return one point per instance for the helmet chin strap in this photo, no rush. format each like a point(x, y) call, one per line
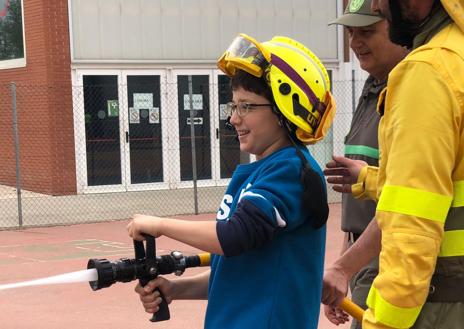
point(290, 128)
point(228, 125)
point(231, 127)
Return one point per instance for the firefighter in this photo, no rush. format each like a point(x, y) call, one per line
point(377, 55)
point(419, 224)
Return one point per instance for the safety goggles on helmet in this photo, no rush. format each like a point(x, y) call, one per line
point(246, 54)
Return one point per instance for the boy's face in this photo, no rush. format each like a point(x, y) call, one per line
point(258, 131)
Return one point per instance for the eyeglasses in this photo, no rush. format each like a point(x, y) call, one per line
point(242, 108)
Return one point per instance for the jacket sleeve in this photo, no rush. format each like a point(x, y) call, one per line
point(419, 145)
point(366, 186)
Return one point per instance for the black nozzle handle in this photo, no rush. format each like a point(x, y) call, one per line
point(163, 313)
point(149, 254)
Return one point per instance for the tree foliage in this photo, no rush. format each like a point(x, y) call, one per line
point(11, 32)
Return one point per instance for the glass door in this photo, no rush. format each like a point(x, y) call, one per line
point(120, 130)
point(102, 134)
point(134, 130)
point(201, 127)
point(229, 147)
point(144, 136)
point(217, 150)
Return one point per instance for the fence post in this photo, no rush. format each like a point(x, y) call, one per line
point(192, 141)
point(16, 142)
point(353, 90)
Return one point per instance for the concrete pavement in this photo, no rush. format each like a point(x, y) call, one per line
point(40, 252)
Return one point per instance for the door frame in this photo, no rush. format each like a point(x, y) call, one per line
point(79, 132)
point(80, 139)
point(172, 81)
point(170, 129)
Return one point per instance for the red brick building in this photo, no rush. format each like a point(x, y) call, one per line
point(43, 87)
point(102, 88)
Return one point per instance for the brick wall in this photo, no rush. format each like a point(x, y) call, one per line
point(44, 103)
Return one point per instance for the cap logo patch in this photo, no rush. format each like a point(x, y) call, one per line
point(355, 5)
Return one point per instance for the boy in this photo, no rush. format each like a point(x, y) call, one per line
point(269, 237)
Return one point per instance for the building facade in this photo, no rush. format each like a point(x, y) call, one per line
point(103, 89)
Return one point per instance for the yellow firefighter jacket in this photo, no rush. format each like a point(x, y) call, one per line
point(420, 179)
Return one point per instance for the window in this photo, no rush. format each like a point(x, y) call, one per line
point(11, 34)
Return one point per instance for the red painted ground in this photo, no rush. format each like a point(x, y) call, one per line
point(41, 252)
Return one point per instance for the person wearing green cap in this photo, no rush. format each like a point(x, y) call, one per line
point(377, 55)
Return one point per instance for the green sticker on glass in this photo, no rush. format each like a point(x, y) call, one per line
point(113, 108)
point(355, 5)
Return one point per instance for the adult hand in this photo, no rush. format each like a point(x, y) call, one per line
point(335, 315)
point(140, 224)
point(335, 286)
point(343, 172)
point(150, 297)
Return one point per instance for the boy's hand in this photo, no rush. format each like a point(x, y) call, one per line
point(151, 298)
point(140, 224)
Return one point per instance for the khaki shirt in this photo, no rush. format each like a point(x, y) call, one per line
point(361, 143)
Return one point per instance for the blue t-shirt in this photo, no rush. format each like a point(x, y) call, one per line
point(279, 284)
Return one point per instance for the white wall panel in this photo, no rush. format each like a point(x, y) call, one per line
point(152, 31)
point(211, 17)
point(131, 34)
point(86, 22)
point(265, 17)
point(228, 23)
point(194, 30)
point(171, 29)
point(191, 19)
point(283, 18)
point(110, 23)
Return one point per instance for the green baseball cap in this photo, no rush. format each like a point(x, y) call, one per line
point(358, 13)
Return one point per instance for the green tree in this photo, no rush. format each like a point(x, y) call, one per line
point(11, 32)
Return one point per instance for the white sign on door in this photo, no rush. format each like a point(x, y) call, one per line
point(154, 116)
point(197, 100)
point(143, 100)
point(223, 115)
point(196, 121)
point(134, 115)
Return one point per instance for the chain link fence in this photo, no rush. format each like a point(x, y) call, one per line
point(103, 150)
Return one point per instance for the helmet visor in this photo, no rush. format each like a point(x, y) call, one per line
point(245, 54)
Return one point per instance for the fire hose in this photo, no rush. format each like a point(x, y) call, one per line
point(352, 309)
point(146, 266)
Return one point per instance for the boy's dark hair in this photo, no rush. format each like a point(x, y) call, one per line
point(252, 84)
